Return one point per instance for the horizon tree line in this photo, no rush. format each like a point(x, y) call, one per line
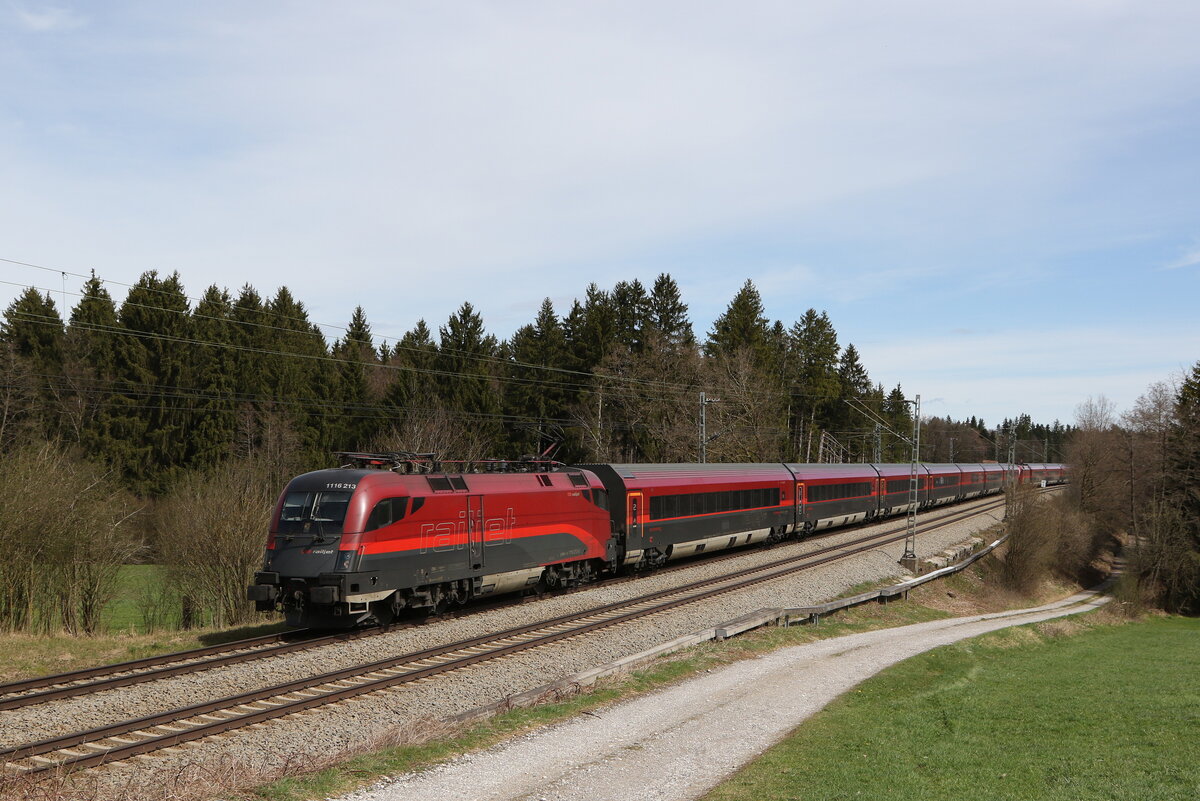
point(160, 386)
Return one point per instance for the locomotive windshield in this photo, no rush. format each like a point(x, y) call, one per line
point(316, 513)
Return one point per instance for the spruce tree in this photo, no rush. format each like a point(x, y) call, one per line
point(899, 418)
point(411, 382)
point(1183, 488)
point(211, 432)
point(465, 357)
point(151, 409)
point(743, 326)
point(89, 367)
point(630, 314)
point(33, 331)
point(33, 326)
point(853, 384)
point(590, 329)
point(535, 397)
point(253, 337)
point(357, 359)
point(668, 314)
point(812, 359)
point(299, 373)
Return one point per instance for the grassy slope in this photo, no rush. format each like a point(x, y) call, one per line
point(1112, 712)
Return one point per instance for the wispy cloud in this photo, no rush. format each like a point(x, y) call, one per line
point(1189, 259)
point(48, 18)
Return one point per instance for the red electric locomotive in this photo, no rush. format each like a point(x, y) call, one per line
point(361, 542)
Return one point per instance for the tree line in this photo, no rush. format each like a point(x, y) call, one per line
point(159, 385)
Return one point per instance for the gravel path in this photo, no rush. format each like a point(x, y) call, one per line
point(349, 726)
point(678, 743)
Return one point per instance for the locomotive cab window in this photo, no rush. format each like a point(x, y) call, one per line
point(301, 510)
point(386, 512)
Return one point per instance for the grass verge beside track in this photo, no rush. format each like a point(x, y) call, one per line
point(27, 655)
point(1066, 709)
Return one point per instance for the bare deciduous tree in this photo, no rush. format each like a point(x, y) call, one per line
point(64, 535)
point(211, 532)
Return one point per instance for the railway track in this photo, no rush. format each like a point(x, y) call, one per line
point(130, 738)
point(18, 694)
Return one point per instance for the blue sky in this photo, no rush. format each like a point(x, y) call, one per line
point(995, 202)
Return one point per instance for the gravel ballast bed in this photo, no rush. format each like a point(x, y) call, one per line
point(359, 722)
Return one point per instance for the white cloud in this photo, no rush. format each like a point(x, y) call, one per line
point(1188, 259)
point(48, 18)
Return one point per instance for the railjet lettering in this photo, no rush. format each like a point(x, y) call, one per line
point(452, 535)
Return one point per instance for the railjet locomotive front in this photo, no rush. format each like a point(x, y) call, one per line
point(359, 542)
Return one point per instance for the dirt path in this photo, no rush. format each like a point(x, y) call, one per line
point(678, 743)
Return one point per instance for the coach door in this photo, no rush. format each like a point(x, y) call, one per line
point(475, 531)
point(799, 506)
point(634, 504)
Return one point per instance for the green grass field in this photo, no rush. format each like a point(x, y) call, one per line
point(1110, 712)
point(125, 613)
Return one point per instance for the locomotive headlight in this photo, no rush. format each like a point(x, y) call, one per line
point(344, 561)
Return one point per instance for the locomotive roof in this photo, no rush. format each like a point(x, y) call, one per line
point(340, 478)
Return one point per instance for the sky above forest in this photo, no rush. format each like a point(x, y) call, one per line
point(997, 203)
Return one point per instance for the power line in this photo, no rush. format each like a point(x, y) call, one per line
point(397, 341)
point(326, 357)
point(488, 360)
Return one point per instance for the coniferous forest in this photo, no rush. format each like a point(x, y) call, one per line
point(164, 415)
point(162, 385)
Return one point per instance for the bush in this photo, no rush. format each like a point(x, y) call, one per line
point(1027, 553)
point(212, 529)
point(64, 538)
point(1047, 536)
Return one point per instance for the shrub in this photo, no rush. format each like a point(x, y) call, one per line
point(212, 528)
point(64, 537)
